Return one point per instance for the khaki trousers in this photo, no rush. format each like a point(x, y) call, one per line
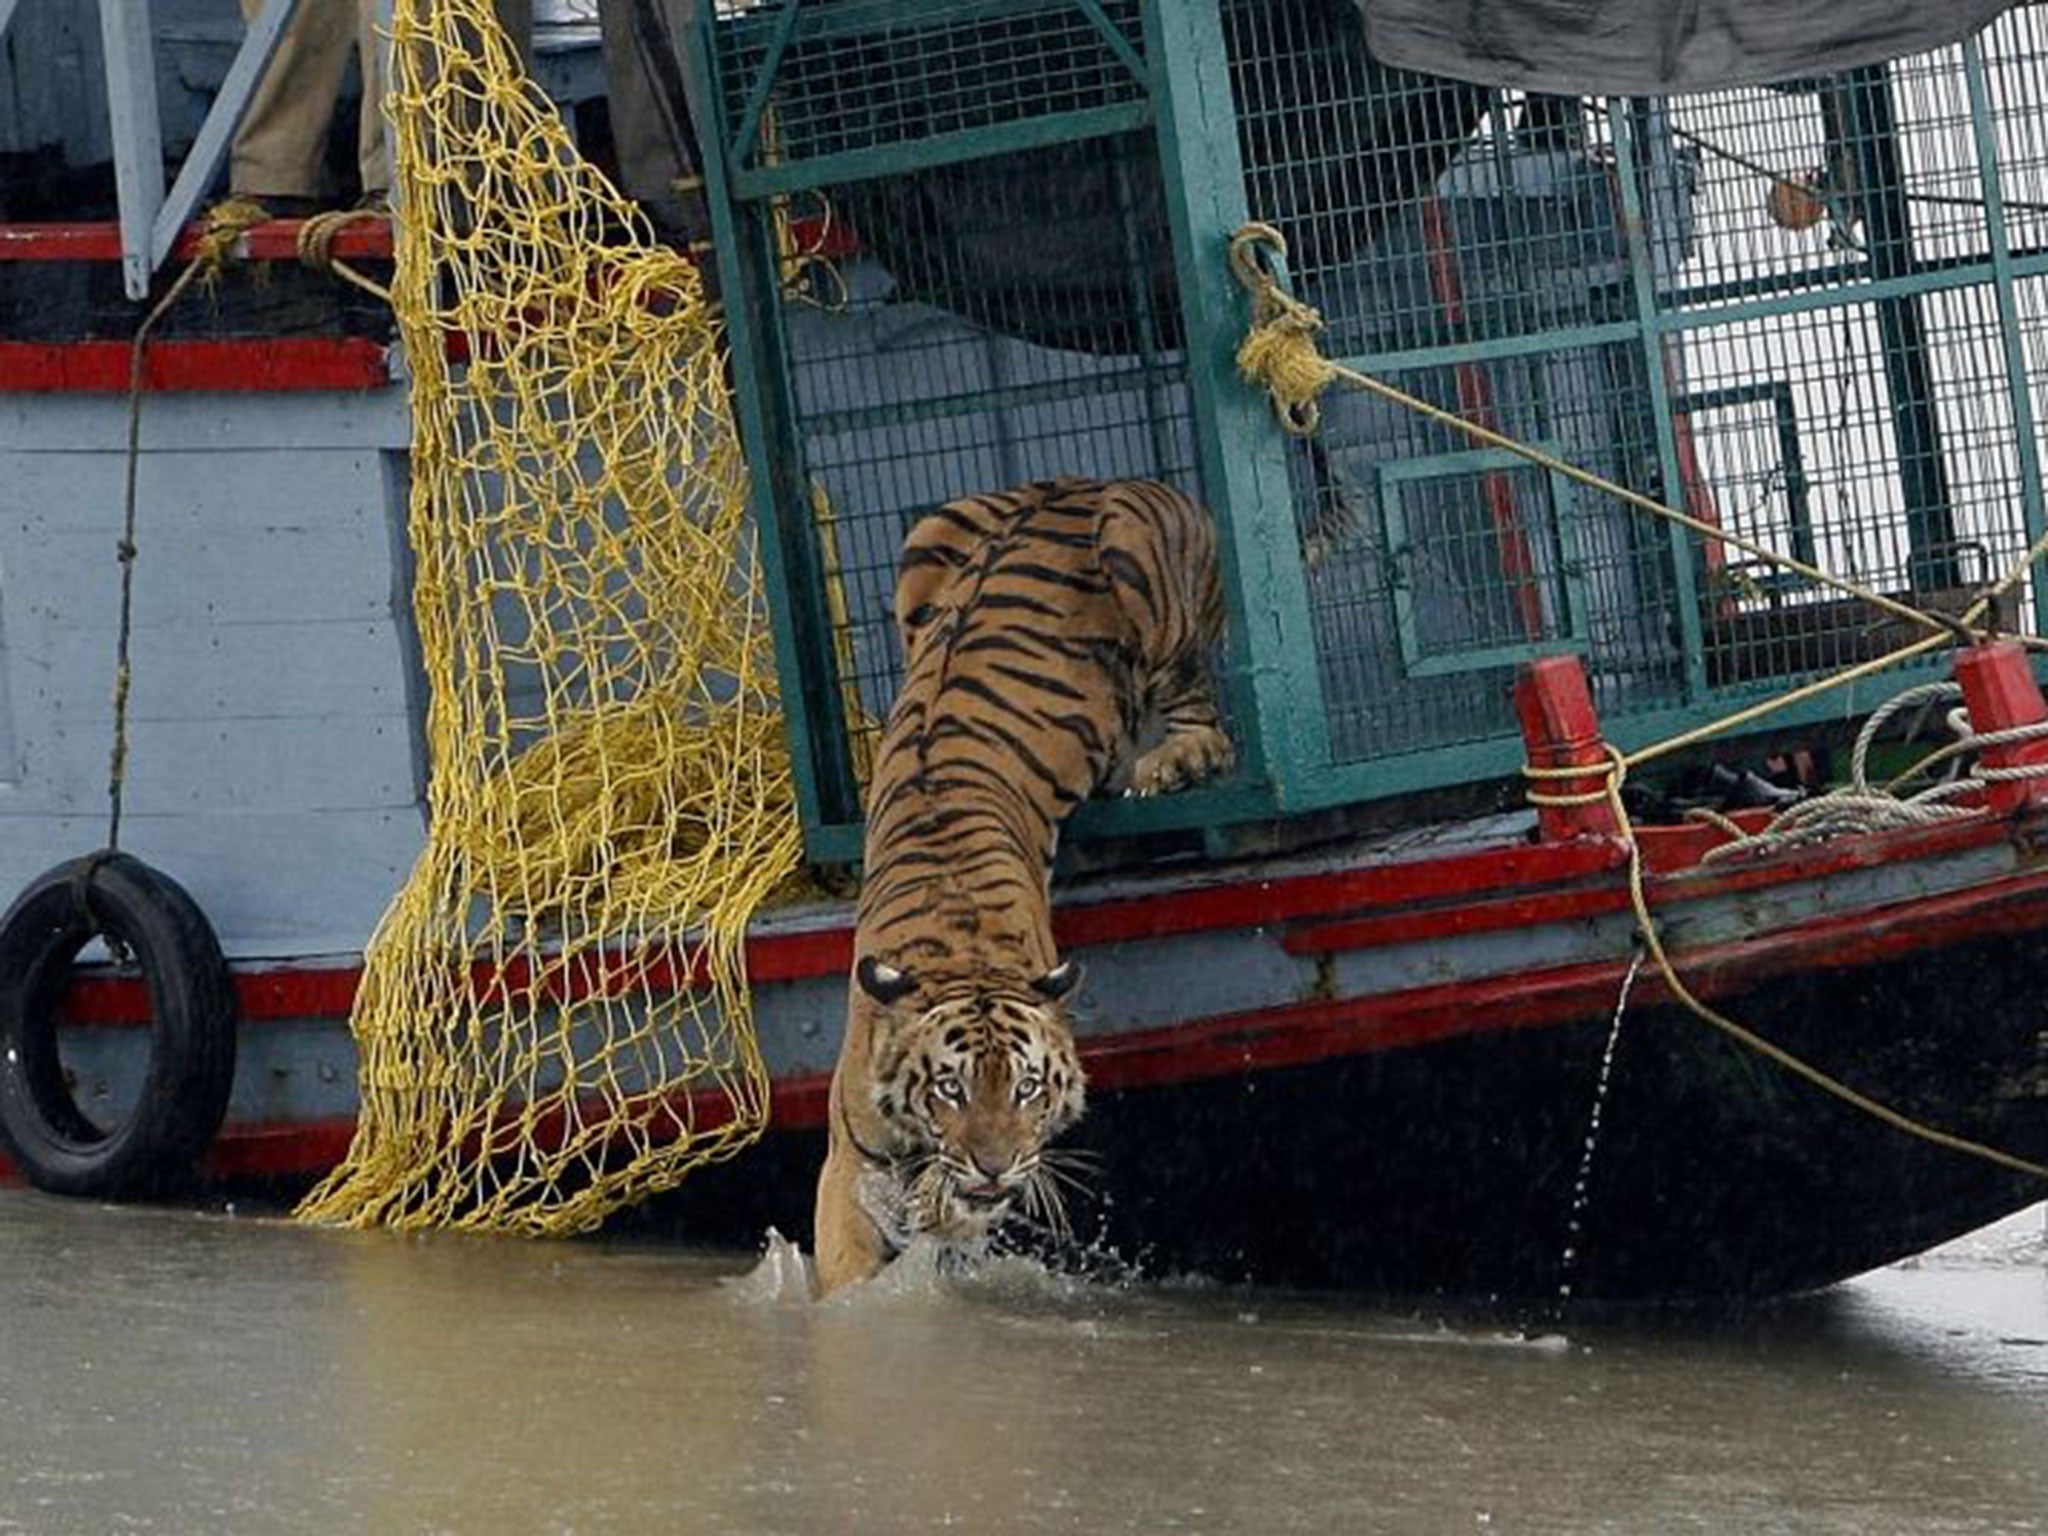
point(281, 146)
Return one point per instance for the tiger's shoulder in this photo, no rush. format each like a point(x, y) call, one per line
point(1044, 555)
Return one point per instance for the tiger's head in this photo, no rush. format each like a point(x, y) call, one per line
point(974, 1084)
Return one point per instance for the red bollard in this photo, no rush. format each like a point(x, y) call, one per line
point(1998, 685)
point(1561, 730)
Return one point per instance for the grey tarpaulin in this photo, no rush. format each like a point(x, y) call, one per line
point(1656, 47)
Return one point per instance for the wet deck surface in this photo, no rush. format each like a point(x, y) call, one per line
point(166, 1371)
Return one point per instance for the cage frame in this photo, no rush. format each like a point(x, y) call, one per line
point(1287, 766)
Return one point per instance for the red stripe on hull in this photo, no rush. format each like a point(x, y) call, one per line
point(1302, 1033)
point(278, 240)
point(274, 366)
point(310, 992)
point(1525, 909)
point(1306, 1032)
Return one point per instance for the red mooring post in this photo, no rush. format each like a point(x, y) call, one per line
point(1999, 687)
point(1561, 730)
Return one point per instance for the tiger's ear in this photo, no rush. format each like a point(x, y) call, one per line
point(884, 983)
point(1058, 982)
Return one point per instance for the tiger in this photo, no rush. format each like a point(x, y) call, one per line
point(1047, 631)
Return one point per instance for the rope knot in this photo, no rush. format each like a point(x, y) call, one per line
point(220, 236)
point(1279, 352)
point(316, 247)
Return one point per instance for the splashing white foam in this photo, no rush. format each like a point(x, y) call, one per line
point(781, 1278)
point(928, 1268)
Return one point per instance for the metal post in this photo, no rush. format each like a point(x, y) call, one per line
point(1276, 693)
point(1560, 729)
point(1627, 121)
point(750, 285)
point(137, 132)
point(2018, 387)
point(1868, 122)
point(382, 27)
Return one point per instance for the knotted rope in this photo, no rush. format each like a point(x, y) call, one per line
point(316, 247)
point(1280, 355)
point(224, 226)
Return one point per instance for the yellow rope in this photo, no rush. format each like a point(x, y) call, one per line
point(316, 247)
point(223, 226)
point(554, 1017)
point(221, 233)
point(1280, 355)
point(1612, 776)
point(1639, 900)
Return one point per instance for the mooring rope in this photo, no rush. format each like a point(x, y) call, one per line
point(1612, 777)
point(316, 247)
point(1280, 355)
point(225, 224)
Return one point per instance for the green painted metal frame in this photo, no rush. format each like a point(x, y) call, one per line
point(1785, 421)
point(1269, 667)
point(1570, 593)
point(941, 149)
point(1625, 119)
point(1657, 318)
point(1244, 459)
point(749, 279)
point(2004, 266)
point(796, 20)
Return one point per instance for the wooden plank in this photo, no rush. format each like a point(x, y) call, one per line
point(251, 494)
point(273, 884)
point(188, 768)
point(277, 240)
point(329, 570)
point(286, 669)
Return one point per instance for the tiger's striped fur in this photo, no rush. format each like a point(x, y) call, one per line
point(1043, 628)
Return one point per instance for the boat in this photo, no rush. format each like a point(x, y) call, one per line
point(1426, 998)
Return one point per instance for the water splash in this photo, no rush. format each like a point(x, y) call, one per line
point(1575, 1219)
point(782, 1277)
point(1022, 1263)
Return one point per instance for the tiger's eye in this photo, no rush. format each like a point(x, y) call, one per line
point(1029, 1087)
point(950, 1090)
point(919, 616)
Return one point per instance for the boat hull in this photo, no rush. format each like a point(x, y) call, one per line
point(1453, 1165)
point(1380, 1069)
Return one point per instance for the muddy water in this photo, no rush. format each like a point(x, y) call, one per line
point(167, 1371)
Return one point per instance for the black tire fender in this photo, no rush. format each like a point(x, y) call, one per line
point(184, 1092)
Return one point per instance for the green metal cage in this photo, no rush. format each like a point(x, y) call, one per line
point(968, 243)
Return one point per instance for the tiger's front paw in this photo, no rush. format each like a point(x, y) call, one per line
point(1184, 758)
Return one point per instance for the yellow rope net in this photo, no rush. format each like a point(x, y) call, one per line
point(554, 1017)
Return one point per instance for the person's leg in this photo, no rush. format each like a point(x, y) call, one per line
point(514, 16)
point(280, 148)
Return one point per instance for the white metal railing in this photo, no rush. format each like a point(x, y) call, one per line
point(151, 217)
